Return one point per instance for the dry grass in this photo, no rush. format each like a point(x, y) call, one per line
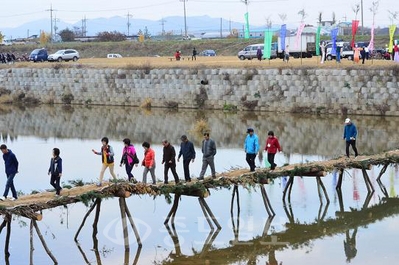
point(203, 62)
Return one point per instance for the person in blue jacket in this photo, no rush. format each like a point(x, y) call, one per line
point(251, 148)
point(11, 166)
point(350, 134)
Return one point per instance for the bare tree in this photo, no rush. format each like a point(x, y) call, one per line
point(393, 15)
point(334, 20)
point(303, 15)
point(356, 10)
point(374, 8)
point(283, 17)
point(269, 22)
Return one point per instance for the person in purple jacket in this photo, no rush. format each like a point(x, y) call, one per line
point(129, 159)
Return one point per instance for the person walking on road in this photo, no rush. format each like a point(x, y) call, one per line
point(350, 134)
point(251, 148)
point(188, 152)
point(208, 156)
point(11, 167)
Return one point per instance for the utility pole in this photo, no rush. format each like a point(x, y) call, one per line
point(55, 24)
point(185, 18)
point(128, 23)
point(361, 10)
point(51, 19)
point(84, 27)
point(163, 24)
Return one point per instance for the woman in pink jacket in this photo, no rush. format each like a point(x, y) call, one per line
point(272, 146)
point(129, 159)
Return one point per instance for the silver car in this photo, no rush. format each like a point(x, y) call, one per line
point(64, 55)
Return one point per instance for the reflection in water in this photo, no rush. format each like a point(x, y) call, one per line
point(350, 245)
point(297, 132)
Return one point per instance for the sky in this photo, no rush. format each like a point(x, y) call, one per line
point(19, 12)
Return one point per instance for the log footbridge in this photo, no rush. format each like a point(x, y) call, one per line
point(31, 206)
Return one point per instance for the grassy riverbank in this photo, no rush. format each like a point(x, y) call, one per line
point(149, 48)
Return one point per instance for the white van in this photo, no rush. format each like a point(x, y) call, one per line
point(114, 55)
point(250, 51)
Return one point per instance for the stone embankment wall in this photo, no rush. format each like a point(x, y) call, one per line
point(344, 91)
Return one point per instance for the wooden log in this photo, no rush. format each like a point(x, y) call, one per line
point(194, 193)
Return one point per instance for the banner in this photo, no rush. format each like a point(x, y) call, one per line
point(267, 47)
point(392, 29)
point(371, 45)
point(246, 33)
point(355, 25)
point(334, 34)
point(283, 33)
point(298, 35)
point(318, 40)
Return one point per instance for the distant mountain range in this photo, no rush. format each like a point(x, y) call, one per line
point(175, 24)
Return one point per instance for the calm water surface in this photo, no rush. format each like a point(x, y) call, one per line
point(355, 228)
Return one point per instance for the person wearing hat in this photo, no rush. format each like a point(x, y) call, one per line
point(251, 148)
point(272, 146)
point(188, 152)
point(350, 134)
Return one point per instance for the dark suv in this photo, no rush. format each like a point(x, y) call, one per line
point(38, 55)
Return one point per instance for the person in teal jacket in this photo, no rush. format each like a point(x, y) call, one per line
point(350, 134)
point(251, 148)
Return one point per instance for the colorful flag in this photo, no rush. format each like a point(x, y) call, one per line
point(283, 33)
point(318, 40)
point(355, 25)
point(334, 34)
point(371, 45)
point(246, 34)
point(298, 34)
point(392, 29)
point(267, 47)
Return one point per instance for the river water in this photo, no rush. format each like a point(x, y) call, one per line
point(355, 227)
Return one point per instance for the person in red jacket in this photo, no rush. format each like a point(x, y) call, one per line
point(272, 146)
point(148, 162)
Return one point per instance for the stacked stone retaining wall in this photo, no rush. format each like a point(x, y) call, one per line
point(343, 91)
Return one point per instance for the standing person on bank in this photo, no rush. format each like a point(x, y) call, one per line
point(188, 152)
point(148, 162)
point(129, 159)
point(208, 156)
point(194, 55)
point(107, 158)
point(169, 161)
point(55, 171)
point(350, 134)
point(251, 148)
point(11, 167)
point(272, 146)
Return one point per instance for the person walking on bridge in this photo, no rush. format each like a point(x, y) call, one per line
point(169, 161)
point(251, 148)
point(188, 152)
point(11, 166)
point(208, 158)
point(272, 146)
point(55, 171)
point(107, 158)
point(350, 134)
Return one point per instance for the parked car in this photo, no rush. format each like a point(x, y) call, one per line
point(38, 55)
point(249, 52)
point(207, 53)
point(346, 51)
point(64, 55)
point(114, 55)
